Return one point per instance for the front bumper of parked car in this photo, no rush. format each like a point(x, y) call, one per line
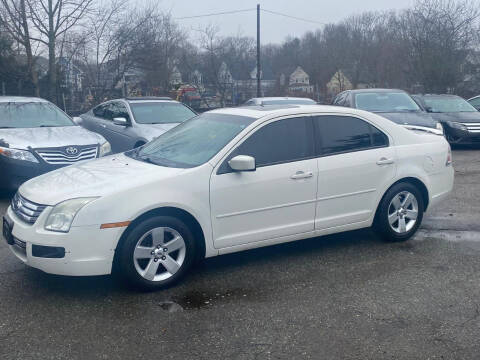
point(83, 251)
point(16, 172)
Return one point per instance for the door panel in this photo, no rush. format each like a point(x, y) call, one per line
point(263, 204)
point(120, 135)
point(278, 198)
point(348, 186)
point(356, 163)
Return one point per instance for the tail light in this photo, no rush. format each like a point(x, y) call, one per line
point(449, 157)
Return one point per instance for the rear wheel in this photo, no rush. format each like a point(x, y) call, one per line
point(156, 253)
point(400, 212)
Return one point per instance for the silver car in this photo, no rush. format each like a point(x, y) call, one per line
point(37, 137)
point(131, 122)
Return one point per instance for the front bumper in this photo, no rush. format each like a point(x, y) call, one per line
point(16, 172)
point(89, 250)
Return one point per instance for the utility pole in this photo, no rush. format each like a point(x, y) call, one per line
point(259, 70)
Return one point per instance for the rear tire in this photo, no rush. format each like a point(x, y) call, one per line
point(400, 213)
point(156, 253)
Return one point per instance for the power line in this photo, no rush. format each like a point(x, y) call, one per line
point(293, 17)
point(215, 14)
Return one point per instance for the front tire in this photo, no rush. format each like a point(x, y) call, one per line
point(400, 213)
point(156, 253)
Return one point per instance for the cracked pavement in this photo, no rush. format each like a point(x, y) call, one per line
point(346, 296)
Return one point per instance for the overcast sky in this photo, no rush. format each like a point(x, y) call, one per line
point(274, 28)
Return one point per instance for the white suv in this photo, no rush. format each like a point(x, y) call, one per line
point(226, 181)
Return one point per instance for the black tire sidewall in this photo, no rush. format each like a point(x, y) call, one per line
point(126, 265)
point(381, 222)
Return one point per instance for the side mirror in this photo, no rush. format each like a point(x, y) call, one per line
point(120, 121)
point(428, 109)
point(77, 120)
point(242, 163)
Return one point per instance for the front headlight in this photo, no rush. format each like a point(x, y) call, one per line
point(440, 127)
point(61, 217)
point(457, 125)
point(17, 154)
point(105, 149)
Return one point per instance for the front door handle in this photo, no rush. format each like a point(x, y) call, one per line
point(302, 175)
point(385, 161)
point(103, 125)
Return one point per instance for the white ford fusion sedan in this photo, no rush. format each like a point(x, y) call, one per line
point(226, 181)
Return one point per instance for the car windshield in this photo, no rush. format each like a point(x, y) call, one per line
point(160, 112)
point(289, 101)
point(448, 104)
point(194, 142)
point(32, 115)
point(385, 102)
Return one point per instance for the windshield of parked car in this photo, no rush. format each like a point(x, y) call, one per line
point(32, 115)
point(448, 104)
point(288, 101)
point(385, 102)
point(160, 112)
point(194, 142)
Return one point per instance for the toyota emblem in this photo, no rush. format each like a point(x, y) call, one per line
point(71, 150)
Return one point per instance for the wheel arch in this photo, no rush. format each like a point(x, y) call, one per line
point(176, 212)
point(419, 184)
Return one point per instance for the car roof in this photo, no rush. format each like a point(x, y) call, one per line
point(147, 98)
point(280, 98)
point(258, 112)
point(10, 99)
point(376, 90)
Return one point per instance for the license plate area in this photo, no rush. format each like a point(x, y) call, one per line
point(7, 230)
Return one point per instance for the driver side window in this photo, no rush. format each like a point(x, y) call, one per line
point(279, 142)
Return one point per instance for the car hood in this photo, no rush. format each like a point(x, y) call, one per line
point(23, 138)
point(463, 117)
point(101, 177)
point(151, 131)
point(410, 118)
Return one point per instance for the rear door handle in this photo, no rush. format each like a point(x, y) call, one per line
point(385, 161)
point(302, 175)
point(103, 125)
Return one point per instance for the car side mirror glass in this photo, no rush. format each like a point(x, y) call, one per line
point(120, 121)
point(242, 163)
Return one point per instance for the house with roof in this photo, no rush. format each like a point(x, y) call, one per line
point(299, 82)
point(338, 83)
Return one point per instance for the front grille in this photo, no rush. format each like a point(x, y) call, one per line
point(472, 127)
point(26, 210)
point(68, 155)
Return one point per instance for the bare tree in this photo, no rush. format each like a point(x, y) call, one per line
point(13, 17)
point(51, 19)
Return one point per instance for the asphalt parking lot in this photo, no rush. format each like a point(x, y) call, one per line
point(347, 296)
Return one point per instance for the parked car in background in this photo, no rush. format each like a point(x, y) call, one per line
point(279, 101)
point(460, 120)
point(395, 105)
point(131, 122)
point(475, 102)
point(36, 137)
point(225, 181)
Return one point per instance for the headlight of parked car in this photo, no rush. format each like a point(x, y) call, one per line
point(61, 217)
point(440, 127)
point(18, 154)
point(105, 149)
point(457, 125)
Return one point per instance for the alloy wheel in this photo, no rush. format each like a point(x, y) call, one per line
point(159, 254)
point(403, 212)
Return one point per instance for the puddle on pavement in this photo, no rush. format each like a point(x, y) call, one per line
point(195, 300)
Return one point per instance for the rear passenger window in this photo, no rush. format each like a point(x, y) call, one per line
point(278, 142)
point(340, 134)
